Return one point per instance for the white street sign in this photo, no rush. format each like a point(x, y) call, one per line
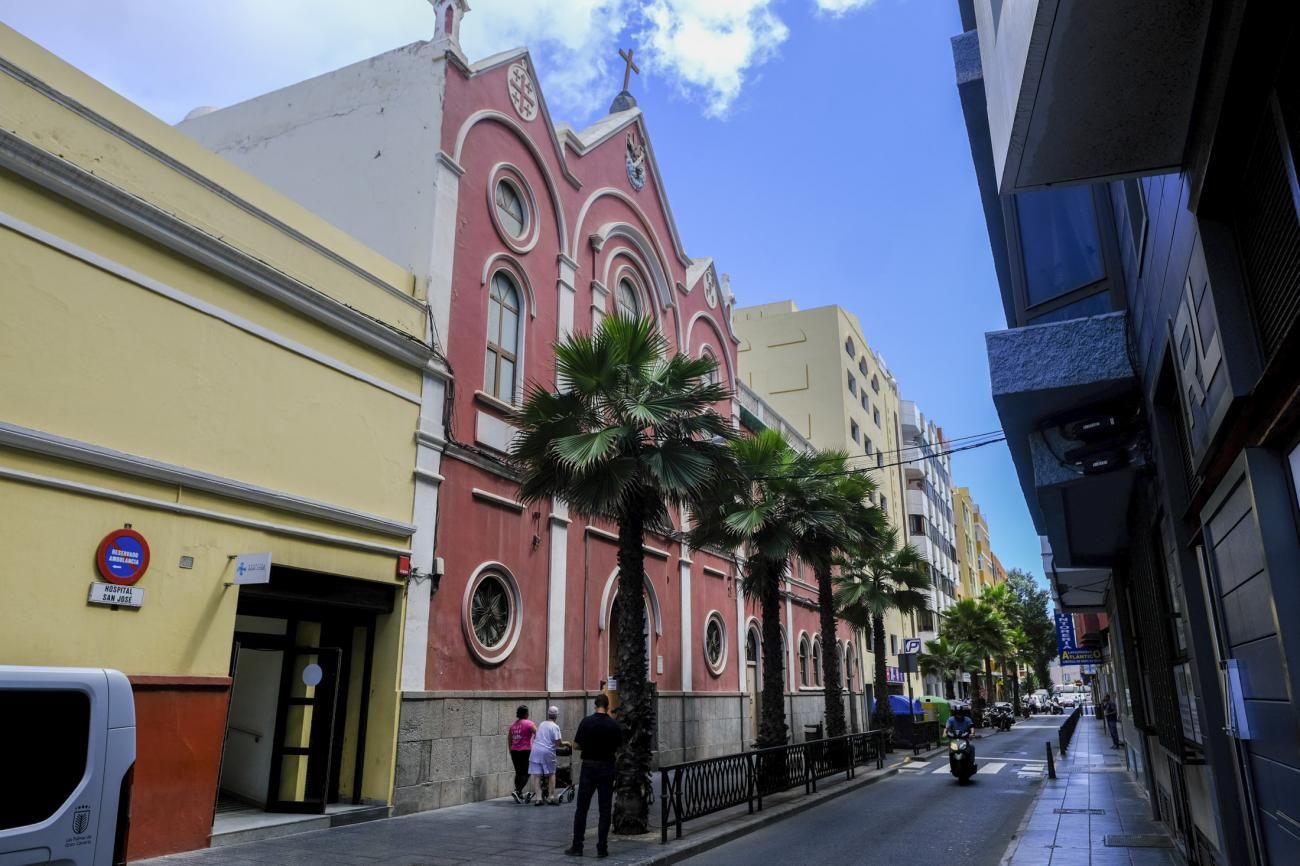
point(252, 568)
point(114, 594)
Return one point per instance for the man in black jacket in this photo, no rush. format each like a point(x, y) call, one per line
point(598, 737)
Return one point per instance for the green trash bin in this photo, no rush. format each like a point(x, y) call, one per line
point(937, 709)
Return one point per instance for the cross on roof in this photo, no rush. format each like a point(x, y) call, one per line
point(630, 68)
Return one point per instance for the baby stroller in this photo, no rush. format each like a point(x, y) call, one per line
point(565, 789)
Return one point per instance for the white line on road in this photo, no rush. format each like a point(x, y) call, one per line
point(991, 768)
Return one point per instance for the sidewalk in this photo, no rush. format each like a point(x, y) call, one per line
point(1093, 800)
point(502, 831)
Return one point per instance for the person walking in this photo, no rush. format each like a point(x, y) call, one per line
point(541, 757)
point(599, 737)
point(1110, 711)
point(520, 742)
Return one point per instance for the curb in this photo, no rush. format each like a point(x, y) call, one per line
point(715, 837)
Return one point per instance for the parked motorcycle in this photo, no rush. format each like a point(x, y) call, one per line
point(961, 758)
point(1056, 707)
point(1001, 717)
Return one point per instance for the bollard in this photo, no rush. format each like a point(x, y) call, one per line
point(1051, 764)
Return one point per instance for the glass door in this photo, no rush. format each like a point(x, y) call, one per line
point(302, 750)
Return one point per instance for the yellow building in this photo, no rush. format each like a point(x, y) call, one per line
point(196, 373)
point(816, 368)
point(974, 555)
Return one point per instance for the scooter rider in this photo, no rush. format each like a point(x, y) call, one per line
point(959, 723)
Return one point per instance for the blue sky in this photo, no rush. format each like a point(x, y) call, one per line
point(814, 148)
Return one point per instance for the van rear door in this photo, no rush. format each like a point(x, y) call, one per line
point(67, 748)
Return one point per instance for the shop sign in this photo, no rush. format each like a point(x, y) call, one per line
point(253, 568)
point(116, 594)
point(1076, 656)
point(123, 556)
point(893, 675)
point(1064, 632)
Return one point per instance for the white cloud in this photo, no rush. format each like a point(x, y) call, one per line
point(709, 47)
point(842, 7)
point(573, 42)
point(170, 57)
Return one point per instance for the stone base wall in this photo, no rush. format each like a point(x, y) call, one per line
point(452, 746)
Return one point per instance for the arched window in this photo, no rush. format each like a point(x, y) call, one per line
point(510, 209)
point(715, 377)
point(752, 647)
point(803, 661)
point(817, 661)
point(626, 300)
point(502, 339)
point(614, 636)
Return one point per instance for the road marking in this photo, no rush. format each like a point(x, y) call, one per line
point(939, 770)
point(991, 768)
point(916, 765)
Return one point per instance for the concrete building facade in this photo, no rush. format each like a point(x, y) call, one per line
point(1138, 178)
point(931, 520)
point(818, 370)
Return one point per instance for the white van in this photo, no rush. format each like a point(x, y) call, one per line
point(66, 762)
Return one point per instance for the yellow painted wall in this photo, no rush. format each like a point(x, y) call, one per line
point(75, 138)
point(106, 359)
point(796, 361)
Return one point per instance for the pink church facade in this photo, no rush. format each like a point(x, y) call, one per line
point(521, 230)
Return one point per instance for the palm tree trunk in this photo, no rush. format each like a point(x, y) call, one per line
point(988, 680)
point(636, 700)
point(835, 722)
point(883, 716)
point(1015, 685)
point(771, 726)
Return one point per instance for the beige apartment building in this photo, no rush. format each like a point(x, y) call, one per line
point(816, 368)
point(977, 565)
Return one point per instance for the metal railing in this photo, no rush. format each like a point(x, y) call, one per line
point(916, 734)
point(698, 788)
point(1066, 732)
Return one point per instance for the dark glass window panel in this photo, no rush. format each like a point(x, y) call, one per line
point(47, 735)
point(1061, 244)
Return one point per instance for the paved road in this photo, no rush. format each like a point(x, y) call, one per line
point(920, 815)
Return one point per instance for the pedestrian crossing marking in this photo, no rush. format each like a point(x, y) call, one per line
point(916, 765)
point(939, 770)
point(990, 769)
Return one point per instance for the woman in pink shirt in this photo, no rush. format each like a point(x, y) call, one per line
point(521, 743)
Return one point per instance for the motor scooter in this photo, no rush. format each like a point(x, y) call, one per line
point(961, 758)
point(1001, 717)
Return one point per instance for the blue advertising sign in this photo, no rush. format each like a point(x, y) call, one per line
point(1064, 632)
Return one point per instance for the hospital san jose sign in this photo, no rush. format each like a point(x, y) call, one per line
point(121, 559)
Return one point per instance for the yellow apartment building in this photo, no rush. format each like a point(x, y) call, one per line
point(816, 368)
point(209, 405)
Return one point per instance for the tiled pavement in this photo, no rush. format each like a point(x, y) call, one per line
point(501, 831)
point(1090, 777)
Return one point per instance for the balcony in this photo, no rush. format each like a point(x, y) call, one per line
point(1053, 385)
point(1086, 91)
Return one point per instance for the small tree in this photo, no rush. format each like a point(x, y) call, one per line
point(872, 582)
point(632, 434)
point(983, 628)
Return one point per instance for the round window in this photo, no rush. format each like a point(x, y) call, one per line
point(715, 643)
point(510, 209)
point(490, 614)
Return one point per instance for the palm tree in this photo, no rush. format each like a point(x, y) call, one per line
point(850, 524)
point(1001, 599)
point(873, 581)
point(632, 434)
point(983, 628)
point(764, 509)
point(947, 660)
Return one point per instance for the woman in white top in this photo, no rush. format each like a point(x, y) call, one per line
point(541, 760)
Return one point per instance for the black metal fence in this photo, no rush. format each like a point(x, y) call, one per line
point(698, 788)
point(1066, 733)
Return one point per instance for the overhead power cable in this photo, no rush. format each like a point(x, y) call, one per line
point(838, 474)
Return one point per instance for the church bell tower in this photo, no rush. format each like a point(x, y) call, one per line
point(447, 15)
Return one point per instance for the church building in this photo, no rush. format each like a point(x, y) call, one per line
point(520, 230)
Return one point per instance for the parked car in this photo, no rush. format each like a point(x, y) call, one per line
point(70, 739)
